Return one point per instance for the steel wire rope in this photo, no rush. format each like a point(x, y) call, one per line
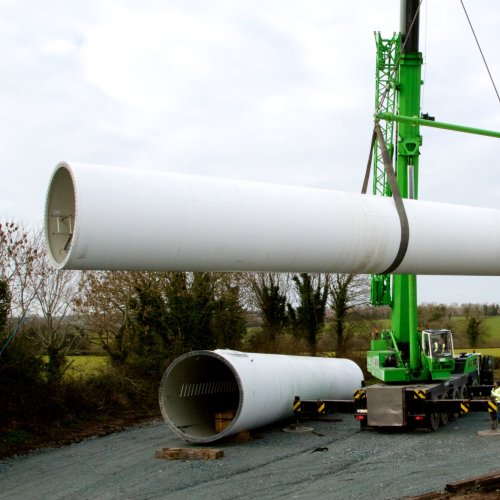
point(424, 63)
point(480, 50)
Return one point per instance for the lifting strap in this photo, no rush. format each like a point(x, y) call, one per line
point(396, 194)
point(369, 164)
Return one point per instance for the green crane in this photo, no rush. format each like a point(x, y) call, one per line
point(422, 382)
point(398, 86)
point(404, 354)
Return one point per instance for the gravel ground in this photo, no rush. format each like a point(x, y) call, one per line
point(369, 464)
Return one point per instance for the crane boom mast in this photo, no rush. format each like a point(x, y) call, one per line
point(404, 304)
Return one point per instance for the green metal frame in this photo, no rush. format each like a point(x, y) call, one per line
point(386, 85)
point(386, 95)
point(415, 121)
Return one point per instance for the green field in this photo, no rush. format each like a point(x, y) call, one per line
point(490, 351)
point(458, 325)
point(490, 327)
point(83, 365)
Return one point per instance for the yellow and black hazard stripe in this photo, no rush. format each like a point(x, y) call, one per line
point(492, 406)
point(321, 407)
point(359, 394)
point(419, 394)
point(464, 408)
point(297, 405)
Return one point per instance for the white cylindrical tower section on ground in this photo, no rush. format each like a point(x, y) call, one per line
point(254, 389)
point(100, 217)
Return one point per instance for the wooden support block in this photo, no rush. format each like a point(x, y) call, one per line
point(223, 419)
point(189, 453)
point(241, 437)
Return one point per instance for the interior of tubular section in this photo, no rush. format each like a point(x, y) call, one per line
point(200, 396)
point(60, 214)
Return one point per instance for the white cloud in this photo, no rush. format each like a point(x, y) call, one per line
point(58, 46)
point(147, 58)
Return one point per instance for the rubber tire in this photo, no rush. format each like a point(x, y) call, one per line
point(456, 395)
point(443, 417)
point(433, 421)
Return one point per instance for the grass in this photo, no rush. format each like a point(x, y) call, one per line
point(83, 366)
point(489, 351)
point(458, 325)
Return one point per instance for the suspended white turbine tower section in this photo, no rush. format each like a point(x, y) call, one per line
point(100, 217)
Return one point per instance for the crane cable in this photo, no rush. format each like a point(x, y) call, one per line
point(480, 50)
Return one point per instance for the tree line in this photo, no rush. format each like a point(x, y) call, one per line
point(143, 320)
point(147, 317)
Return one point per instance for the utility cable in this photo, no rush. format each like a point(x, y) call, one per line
point(13, 334)
point(480, 50)
point(424, 62)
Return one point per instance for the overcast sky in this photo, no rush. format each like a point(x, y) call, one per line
point(278, 91)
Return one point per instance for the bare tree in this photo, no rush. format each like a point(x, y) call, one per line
point(4, 305)
point(52, 325)
point(270, 293)
point(41, 297)
point(433, 316)
point(308, 317)
point(229, 321)
point(160, 313)
point(105, 302)
point(347, 291)
point(17, 258)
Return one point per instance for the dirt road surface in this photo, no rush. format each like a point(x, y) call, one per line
point(352, 464)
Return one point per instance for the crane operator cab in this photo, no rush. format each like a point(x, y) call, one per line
point(437, 348)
